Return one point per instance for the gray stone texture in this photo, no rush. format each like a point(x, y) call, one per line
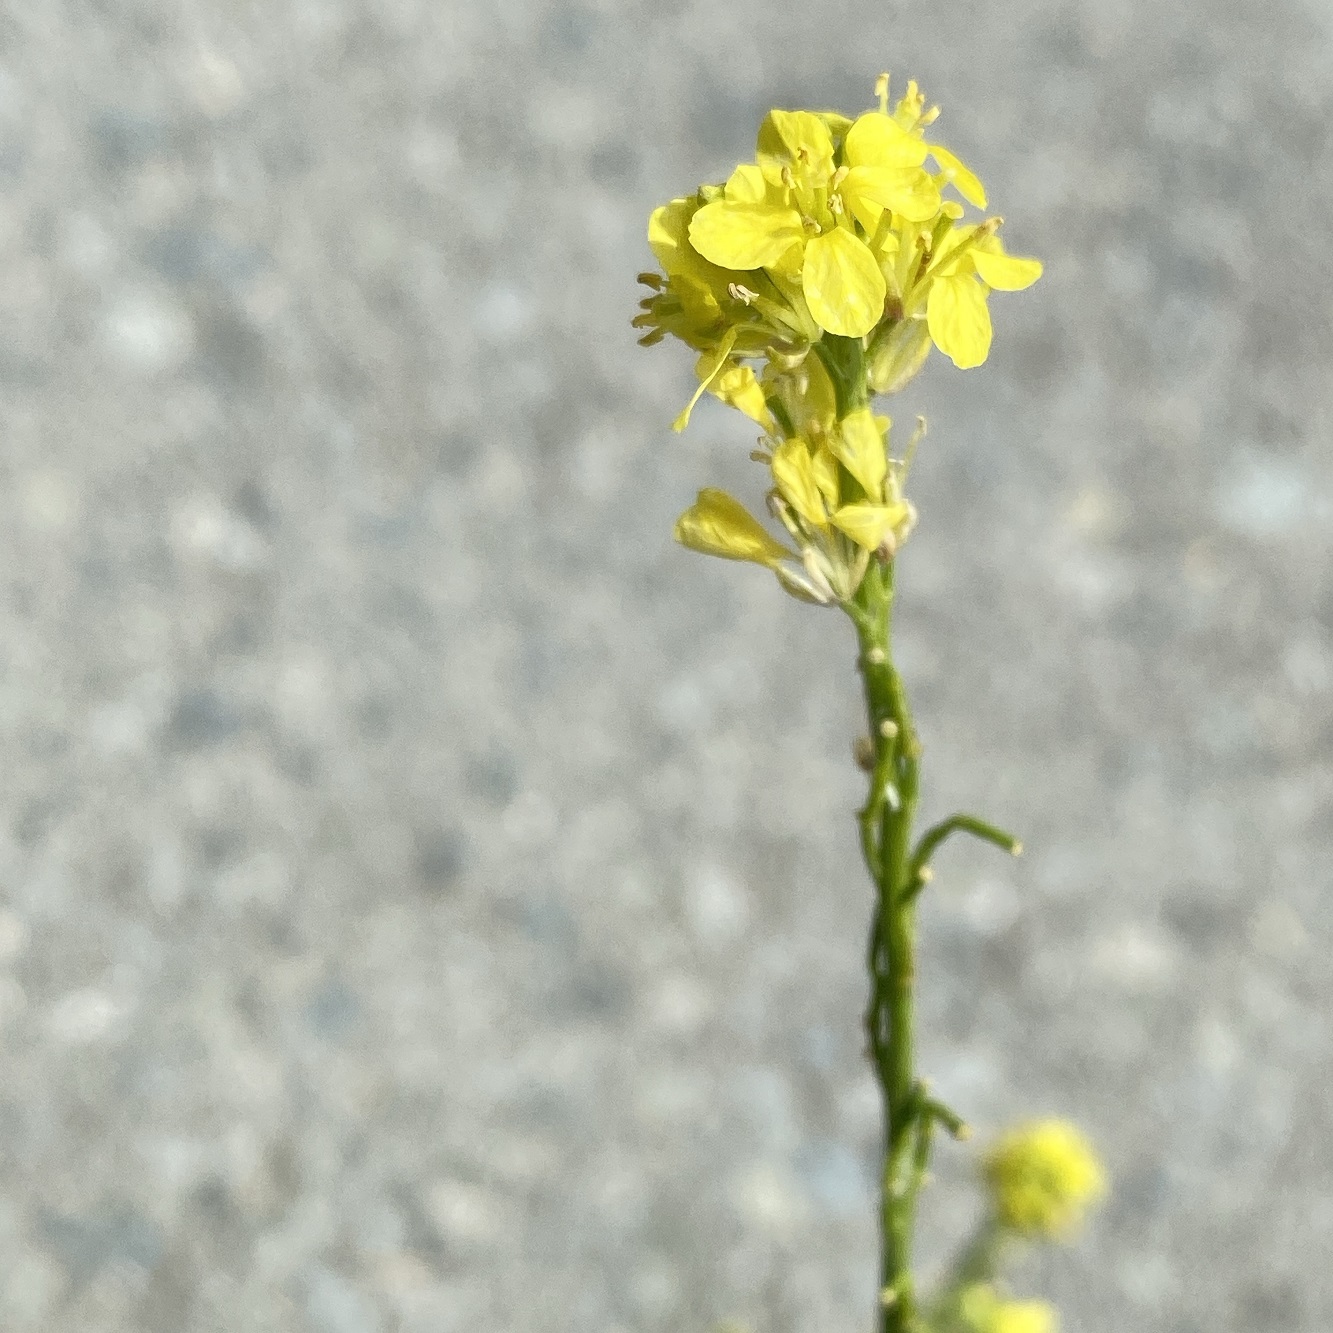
point(430, 897)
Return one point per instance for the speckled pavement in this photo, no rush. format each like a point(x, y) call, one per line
point(429, 899)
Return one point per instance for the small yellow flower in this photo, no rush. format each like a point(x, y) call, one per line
point(794, 212)
point(968, 264)
point(984, 1311)
point(1043, 1177)
point(718, 524)
point(807, 477)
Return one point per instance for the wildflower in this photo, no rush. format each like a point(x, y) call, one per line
point(970, 262)
point(984, 1311)
point(718, 524)
point(838, 231)
point(795, 214)
point(1043, 1177)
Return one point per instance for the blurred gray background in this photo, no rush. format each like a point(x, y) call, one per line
point(431, 898)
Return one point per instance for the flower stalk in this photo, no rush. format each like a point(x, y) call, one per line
point(886, 825)
point(817, 277)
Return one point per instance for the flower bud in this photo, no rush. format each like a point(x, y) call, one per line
point(1043, 1177)
point(983, 1310)
point(896, 354)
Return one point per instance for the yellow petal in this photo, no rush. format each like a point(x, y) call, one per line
point(862, 450)
point(1006, 273)
point(819, 403)
point(958, 319)
point(741, 235)
point(739, 387)
point(747, 185)
point(699, 284)
point(708, 367)
point(835, 122)
point(718, 524)
point(908, 191)
point(958, 175)
point(953, 254)
point(668, 231)
point(867, 524)
point(877, 140)
point(842, 283)
point(826, 476)
point(794, 473)
point(799, 140)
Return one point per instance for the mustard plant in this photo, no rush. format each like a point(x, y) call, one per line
point(814, 279)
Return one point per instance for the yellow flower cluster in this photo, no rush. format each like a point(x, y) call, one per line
point(837, 240)
point(984, 1311)
point(838, 226)
point(1043, 1177)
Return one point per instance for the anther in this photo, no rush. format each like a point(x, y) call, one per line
point(888, 728)
point(882, 92)
point(742, 294)
point(876, 656)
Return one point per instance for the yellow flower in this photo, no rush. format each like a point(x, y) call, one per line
point(718, 524)
point(984, 1311)
point(794, 213)
point(970, 262)
point(837, 227)
point(689, 304)
point(807, 477)
point(1043, 1177)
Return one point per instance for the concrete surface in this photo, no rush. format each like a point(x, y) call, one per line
point(430, 898)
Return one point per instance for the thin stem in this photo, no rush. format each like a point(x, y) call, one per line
point(978, 1261)
point(886, 824)
point(937, 833)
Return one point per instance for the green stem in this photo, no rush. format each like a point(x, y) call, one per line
point(978, 828)
point(886, 825)
point(979, 1261)
point(844, 359)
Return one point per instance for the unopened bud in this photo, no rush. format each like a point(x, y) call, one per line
point(863, 751)
point(896, 355)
